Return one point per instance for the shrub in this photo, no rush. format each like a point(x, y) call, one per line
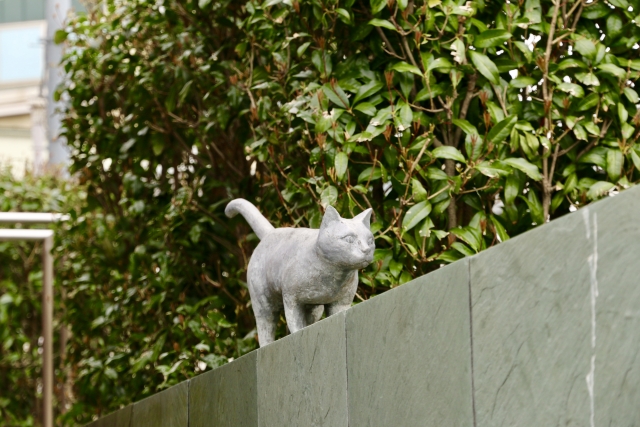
point(460, 123)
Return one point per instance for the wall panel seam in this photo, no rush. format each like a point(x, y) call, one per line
point(473, 389)
point(346, 367)
point(257, 367)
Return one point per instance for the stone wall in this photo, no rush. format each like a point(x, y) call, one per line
point(542, 330)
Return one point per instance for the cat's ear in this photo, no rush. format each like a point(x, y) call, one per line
point(330, 215)
point(364, 217)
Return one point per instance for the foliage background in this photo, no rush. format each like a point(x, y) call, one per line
point(460, 123)
point(20, 300)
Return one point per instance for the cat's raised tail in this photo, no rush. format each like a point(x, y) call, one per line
point(260, 225)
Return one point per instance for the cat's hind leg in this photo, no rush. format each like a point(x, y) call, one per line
point(295, 314)
point(337, 307)
point(313, 313)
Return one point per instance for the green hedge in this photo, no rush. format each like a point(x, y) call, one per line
point(460, 123)
point(20, 301)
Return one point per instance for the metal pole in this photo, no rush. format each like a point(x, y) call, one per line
point(47, 331)
point(46, 236)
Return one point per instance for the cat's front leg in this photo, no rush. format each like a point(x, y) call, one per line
point(345, 300)
point(295, 314)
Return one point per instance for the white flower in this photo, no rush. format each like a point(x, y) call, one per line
point(497, 207)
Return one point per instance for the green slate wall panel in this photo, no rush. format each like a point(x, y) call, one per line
point(120, 418)
point(169, 408)
point(530, 321)
point(533, 304)
point(302, 378)
point(615, 223)
point(226, 396)
point(409, 354)
point(531, 328)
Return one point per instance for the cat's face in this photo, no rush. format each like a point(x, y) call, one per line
point(348, 243)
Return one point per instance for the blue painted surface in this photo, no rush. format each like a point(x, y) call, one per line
point(21, 54)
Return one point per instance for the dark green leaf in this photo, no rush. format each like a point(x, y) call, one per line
point(599, 189)
point(466, 127)
point(571, 63)
point(403, 67)
point(382, 23)
point(613, 70)
point(631, 95)
point(377, 5)
point(429, 93)
point(522, 82)
point(572, 89)
point(343, 15)
point(367, 90)
point(615, 161)
point(499, 132)
point(341, 165)
point(370, 174)
point(415, 214)
point(589, 102)
point(366, 108)
point(524, 166)
point(447, 152)
point(490, 38)
point(586, 48)
point(485, 66)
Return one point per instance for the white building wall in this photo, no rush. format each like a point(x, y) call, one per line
point(21, 74)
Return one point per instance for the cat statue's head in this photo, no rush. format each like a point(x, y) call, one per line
point(347, 243)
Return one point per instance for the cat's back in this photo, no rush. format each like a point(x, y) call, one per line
point(286, 242)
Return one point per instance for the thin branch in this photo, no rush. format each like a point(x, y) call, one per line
point(553, 164)
point(386, 41)
point(471, 85)
point(577, 17)
point(428, 110)
point(566, 150)
point(407, 50)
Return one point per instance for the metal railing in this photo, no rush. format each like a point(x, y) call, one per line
point(45, 236)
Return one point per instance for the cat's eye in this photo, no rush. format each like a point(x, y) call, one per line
point(349, 239)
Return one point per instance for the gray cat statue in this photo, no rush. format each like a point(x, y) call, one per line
point(303, 270)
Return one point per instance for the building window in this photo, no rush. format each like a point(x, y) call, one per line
point(21, 52)
point(21, 10)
